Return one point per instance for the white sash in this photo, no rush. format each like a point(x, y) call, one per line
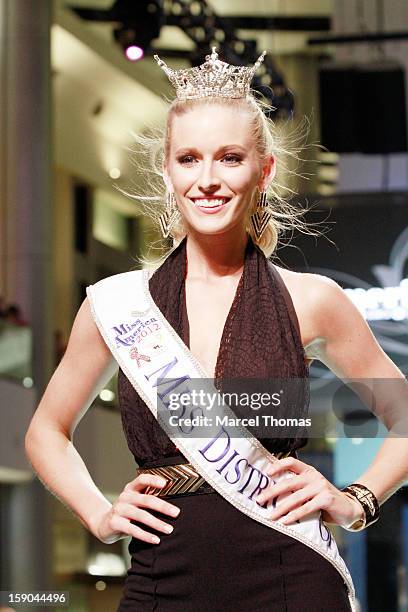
point(233, 461)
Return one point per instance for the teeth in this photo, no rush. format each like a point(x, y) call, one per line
point(210, 203)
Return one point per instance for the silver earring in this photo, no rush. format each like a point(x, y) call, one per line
point(170, 215)
point(261, 217)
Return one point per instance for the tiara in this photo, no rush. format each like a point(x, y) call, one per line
point(212, 78)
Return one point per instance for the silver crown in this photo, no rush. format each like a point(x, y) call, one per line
point(212, 78)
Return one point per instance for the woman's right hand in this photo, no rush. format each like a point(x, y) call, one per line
point(116, 523)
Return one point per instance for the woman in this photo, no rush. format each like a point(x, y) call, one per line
point(240, 316)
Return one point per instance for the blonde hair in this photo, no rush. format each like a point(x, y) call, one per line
point(152, 149)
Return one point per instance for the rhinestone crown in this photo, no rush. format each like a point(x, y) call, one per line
point(212, 78)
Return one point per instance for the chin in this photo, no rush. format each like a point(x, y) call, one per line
point(213, 224)
point(212, 228)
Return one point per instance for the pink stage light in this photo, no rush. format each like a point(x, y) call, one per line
point(134, 53)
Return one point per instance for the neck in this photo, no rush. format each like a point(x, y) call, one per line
point(215, 256)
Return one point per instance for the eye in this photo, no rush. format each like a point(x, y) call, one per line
point(186, 159)
point(232, 158)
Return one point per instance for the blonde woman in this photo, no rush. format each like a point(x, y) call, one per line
point(200, 540)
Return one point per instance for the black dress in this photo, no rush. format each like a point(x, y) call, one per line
point(217, 558)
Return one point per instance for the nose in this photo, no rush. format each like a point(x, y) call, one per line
point(208, 182)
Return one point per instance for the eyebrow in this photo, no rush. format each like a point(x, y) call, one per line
point(220, 150)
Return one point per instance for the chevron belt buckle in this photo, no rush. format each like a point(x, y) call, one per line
point(182, 479)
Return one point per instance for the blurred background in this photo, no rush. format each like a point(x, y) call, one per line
point(77, 78)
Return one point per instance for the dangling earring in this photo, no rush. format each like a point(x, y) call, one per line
point(261, 217)
point(170, 215)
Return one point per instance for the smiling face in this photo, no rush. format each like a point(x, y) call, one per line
point(213, 167)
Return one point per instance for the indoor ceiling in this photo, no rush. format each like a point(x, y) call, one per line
point(101, 97)
point(173, 37)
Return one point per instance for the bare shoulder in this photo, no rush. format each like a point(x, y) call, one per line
point(306, 282)
point(314, 298)
point(85, 333)
point(334, 330)
point(83, 371)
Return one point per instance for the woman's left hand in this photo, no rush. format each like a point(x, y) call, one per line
point(307, 492)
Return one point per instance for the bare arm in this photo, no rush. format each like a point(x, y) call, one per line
point(83, 371)
point(349, 348)
point(344, 342)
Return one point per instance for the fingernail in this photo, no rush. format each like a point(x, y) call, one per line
point(175, 511)
point(161, 482)
point(169, 528)
point(155, 539)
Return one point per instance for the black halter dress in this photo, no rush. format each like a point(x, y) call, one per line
point(217, 558)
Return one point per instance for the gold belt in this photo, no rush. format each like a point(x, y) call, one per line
point(182, 479)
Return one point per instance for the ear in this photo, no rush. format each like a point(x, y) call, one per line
point(166, 179)
point(268, 172)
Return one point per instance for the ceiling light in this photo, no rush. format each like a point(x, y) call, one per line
point(106, 395)
point(114, 173)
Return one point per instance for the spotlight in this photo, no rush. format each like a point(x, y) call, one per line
point(134, 53)
point(133, 44)
point(140, 25)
